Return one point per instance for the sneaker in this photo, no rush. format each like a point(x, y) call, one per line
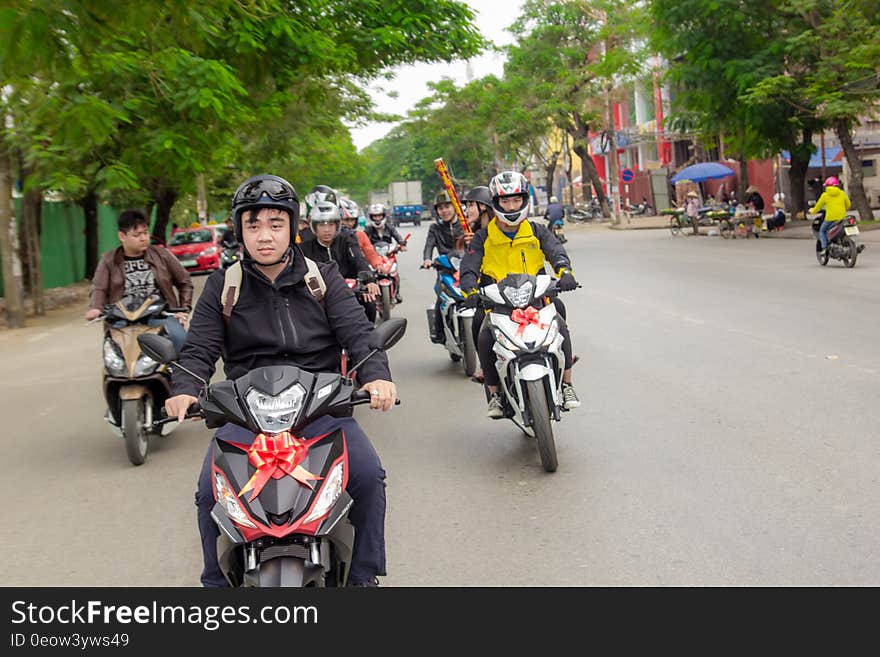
point(436, 339)
point(495, 410)
point(569, 397)
point(372, 583)
point(398, 298)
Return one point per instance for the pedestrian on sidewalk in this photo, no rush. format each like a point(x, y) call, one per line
point(777, 221)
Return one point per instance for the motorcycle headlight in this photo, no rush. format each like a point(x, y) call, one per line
point(330, 492)
point(113, 360)
point(229, 502)
point(518, 297)
point(504, 341)
point(274, 414)
point(145, 365)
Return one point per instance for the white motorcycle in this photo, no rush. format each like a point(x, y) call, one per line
point(529, 357)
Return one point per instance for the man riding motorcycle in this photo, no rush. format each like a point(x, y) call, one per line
point(330, 244)
point(836, 203)
point(379, 230)
point(510, 244)
point(443, 235)
point(278, 320)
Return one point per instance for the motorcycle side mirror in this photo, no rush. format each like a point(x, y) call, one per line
point(383, 337)
point(156, 347)
point(162, 350)
point(387, 334)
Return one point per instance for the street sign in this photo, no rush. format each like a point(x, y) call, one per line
point(627, 175)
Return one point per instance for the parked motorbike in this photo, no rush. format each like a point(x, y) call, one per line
point(387, 277)
point(458, 336)
point(842, 241)
point(529, 358)
point(281, 504)
point(229, 255)
point(135, 384)
point(643, 208)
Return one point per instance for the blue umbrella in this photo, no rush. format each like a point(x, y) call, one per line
point(703, 171)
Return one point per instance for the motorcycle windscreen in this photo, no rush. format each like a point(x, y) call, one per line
point(283, 499)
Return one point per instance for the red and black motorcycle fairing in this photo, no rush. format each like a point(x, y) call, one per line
point(276, 522)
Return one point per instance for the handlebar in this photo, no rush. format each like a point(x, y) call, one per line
point(194, 411)
point(363, 397)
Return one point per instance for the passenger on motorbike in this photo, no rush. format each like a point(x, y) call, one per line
point(554, 213)
point(836, 203)
point(136, 270)
point(511, 244)
point(379, 230)
point(330, 244)
point(304, 332)
point(478, 207)
point(443, 235)
point(350, 225)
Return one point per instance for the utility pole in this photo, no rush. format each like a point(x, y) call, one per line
point(202, 202)
point(612, 168)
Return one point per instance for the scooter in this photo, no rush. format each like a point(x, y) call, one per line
point(842, 241)
point(643, 208)
point(229, 255)
point(135, 385)
point(529, 358)
point(280, 503)
point(387, 277)
point(458, 336)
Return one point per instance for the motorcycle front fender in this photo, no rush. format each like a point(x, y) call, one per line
point(129, 392)
point(535, 372)
point(289, 572)
point(467, 312)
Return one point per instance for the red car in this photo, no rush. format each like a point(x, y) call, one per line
point(198, 249)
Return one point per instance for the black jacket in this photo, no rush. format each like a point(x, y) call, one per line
point(442, 236)
point(344, 251)
point(277, 323)
point(389, 233)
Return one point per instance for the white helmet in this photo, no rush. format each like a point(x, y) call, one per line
point(324, 212)
point(553, 199)
point(510, 183)
point(380, 210)
point(318, 194)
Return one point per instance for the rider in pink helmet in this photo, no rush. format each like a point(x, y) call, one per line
point(835, 202)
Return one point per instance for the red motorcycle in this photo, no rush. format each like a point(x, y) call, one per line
point(388, 279)
point(281, 503)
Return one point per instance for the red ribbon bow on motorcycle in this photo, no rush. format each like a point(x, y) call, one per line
point(274, 457)
point(526, 316)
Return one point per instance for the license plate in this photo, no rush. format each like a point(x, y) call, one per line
point(189, 263)
point(852, 230)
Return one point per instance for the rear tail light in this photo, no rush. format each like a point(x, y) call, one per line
point(851, 221)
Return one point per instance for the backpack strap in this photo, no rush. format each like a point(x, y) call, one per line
point(314, 281)
point(232, 286)
point(231, 289)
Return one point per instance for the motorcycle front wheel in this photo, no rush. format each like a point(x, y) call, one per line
point(136, 439)
point(385, 307)
point(469, 351)
point(540, 413)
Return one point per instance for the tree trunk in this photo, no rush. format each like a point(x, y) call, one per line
point(164, 199)
point(743, 177)
point(856, 188)
point(32, 205)
point(580, 137)
point(14, 305)
point(89, 204)
point(797, 173)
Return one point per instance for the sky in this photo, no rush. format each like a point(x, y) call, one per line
point(410, 82)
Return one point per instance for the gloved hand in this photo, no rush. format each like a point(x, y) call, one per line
point(471, 297)
point(566, 281)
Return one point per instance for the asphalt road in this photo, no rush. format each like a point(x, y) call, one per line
point(728, 436)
